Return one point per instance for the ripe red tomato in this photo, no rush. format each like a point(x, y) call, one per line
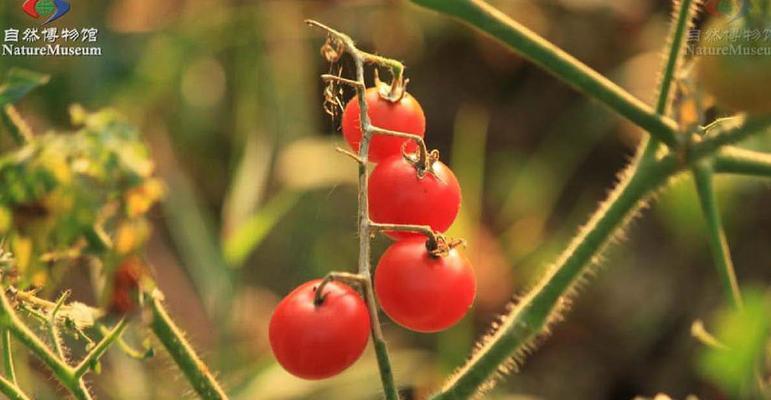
point(125, 286)
point(318, 341)
point(398, 195)
point(423, 292)
point(406, 116)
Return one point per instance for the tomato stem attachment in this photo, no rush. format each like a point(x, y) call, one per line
point(345, 277)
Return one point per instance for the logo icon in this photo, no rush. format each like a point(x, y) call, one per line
point(53, 9)
point(730, 9)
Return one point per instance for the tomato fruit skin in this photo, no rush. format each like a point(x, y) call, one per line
point(738, 82)
point(423, 292)
point(406, 116)
point(398, 195)
point(319, 341)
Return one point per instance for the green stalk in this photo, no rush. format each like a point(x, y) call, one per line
point(674, 55)
point(532, 316)
point(98, 350)
point(733, 160)
point(10, 371)
point(12, 391)
point(554, 60)
point(729, 133)
point(63, 372)
point(17, 128)
point(685, 14)
point(182, 352)
point(718, 244)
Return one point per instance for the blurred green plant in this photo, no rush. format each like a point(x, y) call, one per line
point(739, 353)
point(78, 198)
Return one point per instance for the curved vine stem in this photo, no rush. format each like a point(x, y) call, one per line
point(554, 60)
point(10, 371)
point(733, 160)
point(182, 352)
point(718, 244)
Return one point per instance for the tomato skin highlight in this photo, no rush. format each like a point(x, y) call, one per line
point(406, 116)
point(397, 195)
point(317, 342)
point(423, 292)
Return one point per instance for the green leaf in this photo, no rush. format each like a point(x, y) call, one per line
point(745, 334)
point(18, 83)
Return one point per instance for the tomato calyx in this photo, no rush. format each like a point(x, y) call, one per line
point(393, 92)
point(439, 245)
point(422, 161)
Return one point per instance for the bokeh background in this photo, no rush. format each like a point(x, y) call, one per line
point(228, 96)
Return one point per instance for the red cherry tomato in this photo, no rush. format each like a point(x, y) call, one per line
point(125, 286)
point(398, 195)
point(423, 292)
point(318, 341)
point(406, 116)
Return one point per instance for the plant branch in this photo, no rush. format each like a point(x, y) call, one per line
point(10, 389)
point(685, 13)
point(63, 372)
point(554, 60)
point(10, 371)
point(359, 58)
point(182, 352)
point(718, 244)
point(15, 124)
point(95, 353)
point(734, 160)
point(730, 132)
point(544, 303)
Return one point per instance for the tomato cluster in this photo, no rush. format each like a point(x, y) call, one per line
point(423, 284)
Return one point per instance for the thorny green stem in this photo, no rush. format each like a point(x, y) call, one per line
point(127, 348)
point(733, 160)
point(10, 389)
point(63, 372)
point(10, 371)
point(182, 352)
point(53, 327)
point(536, 309)
point(557, 62)
point(98, 350)
point(360, 57)
point(672, 61)
point(718, 244)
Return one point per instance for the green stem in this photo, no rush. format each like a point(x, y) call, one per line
point(9, 389)
point(10, 371)
point(557, 62)
point(545, 301)
point(15, 124)
point(63, 372)
point(671, 64)
point(734, 160)
point(677, 40)
point(182, 352)
point(98, 350)
point(718, 244)
point(730, 132)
